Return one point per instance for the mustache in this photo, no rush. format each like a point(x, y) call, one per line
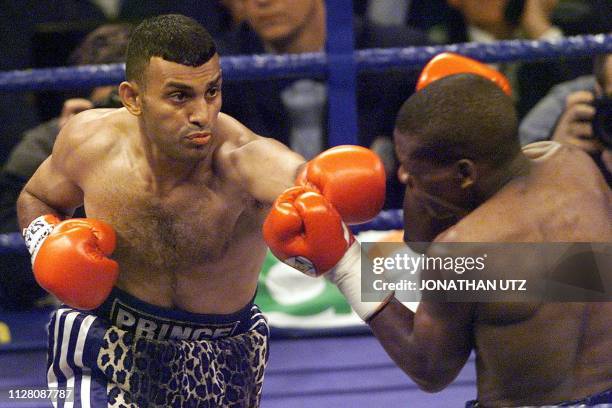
point(198, 133)
point(198, 130)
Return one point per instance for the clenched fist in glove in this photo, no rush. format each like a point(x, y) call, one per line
point(306, 232)
point(70, 259)
point(306, 227)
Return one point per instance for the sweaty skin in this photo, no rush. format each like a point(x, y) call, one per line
point(526, 353)
point(185, 187)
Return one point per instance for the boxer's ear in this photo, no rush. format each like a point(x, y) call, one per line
point(466, 172)
point(129, 92)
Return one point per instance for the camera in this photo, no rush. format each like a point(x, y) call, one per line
point(602, 121)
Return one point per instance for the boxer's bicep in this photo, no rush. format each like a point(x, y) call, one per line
point(52, 188)
point(48, 191)
point(269, 168)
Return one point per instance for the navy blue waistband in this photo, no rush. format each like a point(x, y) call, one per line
point(603, 397)
point(144, 319)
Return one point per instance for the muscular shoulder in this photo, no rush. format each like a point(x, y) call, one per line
point(263, 166)
point(505, 217)
point(478, 226)
point(87, 138)
point(563, 198)
point(239, 148)
point(234, 136)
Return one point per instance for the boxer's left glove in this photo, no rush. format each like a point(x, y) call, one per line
point(70, 259)
point(306, 232)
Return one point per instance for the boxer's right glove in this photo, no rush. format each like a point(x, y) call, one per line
point(70, 259)
point(306, 232)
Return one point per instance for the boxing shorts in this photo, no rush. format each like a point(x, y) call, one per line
point(601, 400)
point(128, 353)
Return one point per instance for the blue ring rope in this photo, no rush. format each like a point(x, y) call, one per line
point(316, 64)
point(12, 243)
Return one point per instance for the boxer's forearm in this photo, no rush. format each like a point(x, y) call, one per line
point(30, 207)
point(428, 366)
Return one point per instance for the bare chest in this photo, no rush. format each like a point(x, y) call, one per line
point(190, 227)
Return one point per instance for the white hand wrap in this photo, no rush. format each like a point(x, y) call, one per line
point(36, 233)
point(346, 275)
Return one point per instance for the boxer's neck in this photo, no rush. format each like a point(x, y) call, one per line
point(164, 172)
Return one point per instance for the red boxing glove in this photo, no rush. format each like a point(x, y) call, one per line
point(305, 231)
point(70, 259)
point(352, 179)
point(447, 63)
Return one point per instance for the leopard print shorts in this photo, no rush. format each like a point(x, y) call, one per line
point(123, 355)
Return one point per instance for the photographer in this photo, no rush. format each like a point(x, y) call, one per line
point(577, 113)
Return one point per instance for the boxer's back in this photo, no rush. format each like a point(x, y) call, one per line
point(554, 351)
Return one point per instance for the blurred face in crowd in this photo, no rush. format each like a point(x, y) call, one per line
point(282, 22)
point(481, 13)
point(489, 15)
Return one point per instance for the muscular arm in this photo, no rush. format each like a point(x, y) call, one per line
point(47, 192)
point(52, 189)
point(431, 345)
point(263, 165)
point(273, 169)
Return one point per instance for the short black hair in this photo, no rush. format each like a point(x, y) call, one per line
point(462, 116)
point(174, 38)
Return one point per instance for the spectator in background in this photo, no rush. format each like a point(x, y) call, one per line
point(17, 112)
point(106, 44)
point(30, 31)
point(294, 111)
point(577, 113)
point(219, 16)
point(493, 20)
point(40, 34)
